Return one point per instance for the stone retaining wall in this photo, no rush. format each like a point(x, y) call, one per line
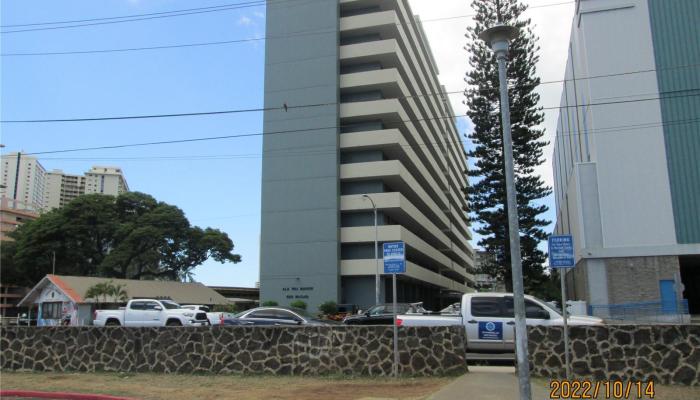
point(352, 350)
point(668, 354)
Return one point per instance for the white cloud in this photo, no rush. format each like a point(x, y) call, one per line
point(259, 14)
point(245, 21)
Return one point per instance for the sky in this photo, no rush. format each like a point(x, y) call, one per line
point(216, 183)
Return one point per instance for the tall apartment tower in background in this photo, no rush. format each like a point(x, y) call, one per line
point(105, 180)
point(381, 128)
point(62, 188)
point(23, 182)
point(627, 174)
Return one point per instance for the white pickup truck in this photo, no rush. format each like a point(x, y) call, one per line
point(148, 312)
point(489, 320)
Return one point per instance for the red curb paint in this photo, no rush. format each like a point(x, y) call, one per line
point(59, 395)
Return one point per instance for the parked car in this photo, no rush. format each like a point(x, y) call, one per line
point(149, 312)
point(489, 320)
point(382, 314)
point(213, 317)
point(276, 316)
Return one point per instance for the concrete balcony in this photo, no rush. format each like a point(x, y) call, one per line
point(368, 267)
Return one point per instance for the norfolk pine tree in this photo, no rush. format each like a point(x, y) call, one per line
point(487, 193)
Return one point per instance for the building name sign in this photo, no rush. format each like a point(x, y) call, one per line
point(297, 292)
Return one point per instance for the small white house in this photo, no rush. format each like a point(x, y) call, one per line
point(61, 299)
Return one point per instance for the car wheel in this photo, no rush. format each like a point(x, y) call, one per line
point(112, 322)
point(173, 322)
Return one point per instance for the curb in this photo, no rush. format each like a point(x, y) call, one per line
point(59, 395)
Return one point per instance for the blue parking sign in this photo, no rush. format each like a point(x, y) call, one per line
point(394, 257)
point(561, 251)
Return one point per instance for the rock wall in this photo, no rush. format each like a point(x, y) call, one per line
point(668, 354)
point(351, 350)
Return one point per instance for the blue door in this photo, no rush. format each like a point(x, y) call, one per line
point(668, 296)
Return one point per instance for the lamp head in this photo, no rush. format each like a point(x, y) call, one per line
point(498, 37)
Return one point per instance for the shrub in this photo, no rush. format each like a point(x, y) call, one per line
point(228, 308)
point(328, 308)
point(270, 303)
point(298, 304)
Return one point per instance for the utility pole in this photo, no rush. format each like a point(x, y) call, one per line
point(53, 263)
point(498, 37)
point(376, 255)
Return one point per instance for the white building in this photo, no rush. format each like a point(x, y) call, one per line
point(23, 180)
point(627, 172)
point(105, 180)
point(62, 188)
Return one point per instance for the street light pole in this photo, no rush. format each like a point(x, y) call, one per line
point(499, 37)
point(376, 255)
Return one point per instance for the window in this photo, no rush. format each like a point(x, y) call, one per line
point(286, 315)
point(51, 310)
point(532, 309)
point(486, 306)
point(138, 305)
point(261, 314)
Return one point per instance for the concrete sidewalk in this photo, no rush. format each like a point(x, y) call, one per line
point(487, 383)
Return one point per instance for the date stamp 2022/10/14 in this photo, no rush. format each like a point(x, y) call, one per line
point(585, 389)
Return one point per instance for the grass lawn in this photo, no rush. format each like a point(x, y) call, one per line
point(186, 387)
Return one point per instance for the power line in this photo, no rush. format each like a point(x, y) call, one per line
point(287, 107)
point(306, 150)
point(236, 7)
point(189, 114)
point(126, 16)
point(190, 140)
point(196, 9)
point(430, 20)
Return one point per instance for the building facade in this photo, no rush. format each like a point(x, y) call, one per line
point(380, 133)
point(62, 188)
point(23, 181)
point(626, 164)
point(105, 180)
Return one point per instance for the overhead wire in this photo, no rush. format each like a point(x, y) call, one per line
point(286, 107)
point(307, 150)
point(210, 138)
point(235, 7)
point(167, 14)
point(127, 16)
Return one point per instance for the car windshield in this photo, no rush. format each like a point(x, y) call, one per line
point(170, 305)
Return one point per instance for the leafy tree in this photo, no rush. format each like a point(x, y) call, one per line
point(487, 194)
point(131, 236)
point(328, 308)
point(270, 303)
point(298, 304)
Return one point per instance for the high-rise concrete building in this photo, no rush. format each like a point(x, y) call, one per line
point(105, 180)
point(23, 180)
point(379, 127)
point(626, 155)
point(62, 188)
